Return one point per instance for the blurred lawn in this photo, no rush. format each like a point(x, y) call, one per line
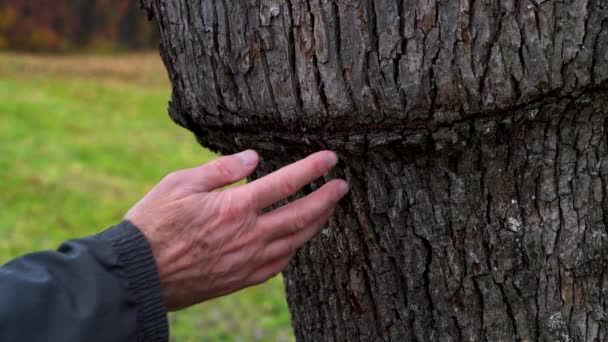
point(81, 140)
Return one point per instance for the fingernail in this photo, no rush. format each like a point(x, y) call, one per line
point(248, 157)
point(331, 159)
point(344, 188)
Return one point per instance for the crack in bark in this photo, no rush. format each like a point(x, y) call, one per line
point(295, 82)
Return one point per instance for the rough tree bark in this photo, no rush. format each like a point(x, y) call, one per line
point(473, 134)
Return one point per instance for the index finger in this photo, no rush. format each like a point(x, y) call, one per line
point(290, 179)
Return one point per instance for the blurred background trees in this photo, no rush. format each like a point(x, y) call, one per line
point(68, 25)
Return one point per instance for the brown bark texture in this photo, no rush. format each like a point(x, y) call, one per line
point(473, 134)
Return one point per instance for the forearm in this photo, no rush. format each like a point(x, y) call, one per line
point(101, 288)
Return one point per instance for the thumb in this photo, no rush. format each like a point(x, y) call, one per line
point(224, 170)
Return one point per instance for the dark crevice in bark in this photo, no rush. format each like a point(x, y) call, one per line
point(557, 174)
point(594, 61)
point(315, 58)
point(434, 90)
point(488, 208)
point(509, 311)
point(516, 87)
point(295, 82)
point(373, 27)
point(481, 312)
point(400, 54)
point(604, 181)
point(370, 236)
point(316, 73)
point(354, 263)
point(378, 317)
point(338, 39)
point(425, 276)
point(214, 65)
point(373, 47)
point(493, 41)
point(264, 62)
point(537, 315)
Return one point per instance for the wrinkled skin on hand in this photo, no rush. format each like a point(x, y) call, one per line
point(211, 243)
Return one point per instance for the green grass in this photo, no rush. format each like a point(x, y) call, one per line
point(81, 140)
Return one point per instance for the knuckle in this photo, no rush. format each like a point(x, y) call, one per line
point(243, 203)
point(248, 199)
point(223, 169)
point(289, 187)
point(300, 221)
point(229, 210)
point(232, 207)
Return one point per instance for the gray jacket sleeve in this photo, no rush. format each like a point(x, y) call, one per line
point(101, 288)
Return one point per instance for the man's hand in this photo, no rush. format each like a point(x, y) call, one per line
point(212, 243)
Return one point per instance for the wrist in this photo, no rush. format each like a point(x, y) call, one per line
point(138, 268)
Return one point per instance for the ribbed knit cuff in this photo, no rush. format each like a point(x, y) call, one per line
point(139, 266)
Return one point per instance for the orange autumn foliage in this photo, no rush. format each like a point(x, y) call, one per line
point(61, 25)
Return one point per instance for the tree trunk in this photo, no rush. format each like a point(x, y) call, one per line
point(473, 134)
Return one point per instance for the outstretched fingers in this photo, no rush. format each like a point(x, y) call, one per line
point(289, 244)
point(299, 215)
point(277, 255)
point(287, 181)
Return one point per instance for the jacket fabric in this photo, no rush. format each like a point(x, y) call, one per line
point(100, 288)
